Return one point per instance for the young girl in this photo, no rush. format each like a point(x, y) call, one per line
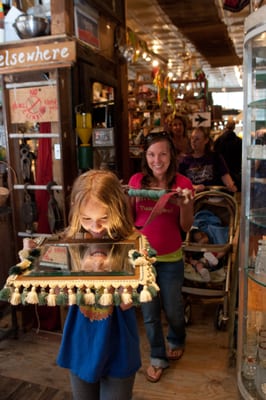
point(100, 345)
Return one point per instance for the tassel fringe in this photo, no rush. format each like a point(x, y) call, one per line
point(51, 298)
point(32, 297)
point(72, 298)
point(145, 295)
point(5, 294)
point(126, 297)
point(89, 297)
point(15, 298)
point(106, 298)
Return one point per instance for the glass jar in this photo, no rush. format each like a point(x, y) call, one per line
point(261, 370)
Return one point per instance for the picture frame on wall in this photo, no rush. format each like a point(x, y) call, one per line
point(87, 27)
point(103, 137)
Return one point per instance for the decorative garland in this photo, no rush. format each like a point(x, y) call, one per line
point(21, 288)
point(156, 194)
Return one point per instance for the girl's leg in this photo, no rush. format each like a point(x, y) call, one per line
point(83, 390)
point(116, 388)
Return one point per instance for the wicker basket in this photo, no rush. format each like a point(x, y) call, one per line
point(4, 193)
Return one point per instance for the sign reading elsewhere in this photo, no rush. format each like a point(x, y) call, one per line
point(29, 56)
point(37, 104)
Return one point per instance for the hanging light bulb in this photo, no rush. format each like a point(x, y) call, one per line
point(127, 52)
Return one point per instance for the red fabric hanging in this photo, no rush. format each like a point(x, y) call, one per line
point(48, 319)
point(44, 174)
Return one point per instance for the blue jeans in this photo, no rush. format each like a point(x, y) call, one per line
point(107, 389)
point(170, 277)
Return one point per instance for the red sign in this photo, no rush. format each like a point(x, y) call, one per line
point(37, 104)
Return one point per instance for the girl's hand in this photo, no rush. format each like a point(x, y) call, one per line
point(29, 244)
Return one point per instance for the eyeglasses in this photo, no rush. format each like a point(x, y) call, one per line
point(154, 135)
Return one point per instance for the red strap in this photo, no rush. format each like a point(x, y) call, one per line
point(159, 206)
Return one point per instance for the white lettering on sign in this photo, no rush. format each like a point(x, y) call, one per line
point(17, 57)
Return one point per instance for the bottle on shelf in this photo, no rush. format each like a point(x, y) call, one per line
point(7, 4)
point(260, 378)
point(260, 262)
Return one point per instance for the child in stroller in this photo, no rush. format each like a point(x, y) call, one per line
point(206, 261)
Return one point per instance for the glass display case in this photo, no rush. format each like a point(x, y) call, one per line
point(251, 344)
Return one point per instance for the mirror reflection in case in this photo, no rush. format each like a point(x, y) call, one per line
point(84, 258)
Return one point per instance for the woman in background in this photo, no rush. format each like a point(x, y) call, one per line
point(203, 166)
point(177, 127)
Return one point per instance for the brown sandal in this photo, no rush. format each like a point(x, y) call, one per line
point(153, 374)
point(175, 354)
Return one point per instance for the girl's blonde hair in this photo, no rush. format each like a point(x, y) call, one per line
point(106, 188)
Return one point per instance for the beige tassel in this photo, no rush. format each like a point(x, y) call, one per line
point(126, 297)
point(15, 298)
point(145, 295)
point(32, 297)
point(106, 298)
point(156, 287)
point(89, 297)
point(51, 298)
point(72, 299)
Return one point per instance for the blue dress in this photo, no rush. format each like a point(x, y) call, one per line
point(100, 342)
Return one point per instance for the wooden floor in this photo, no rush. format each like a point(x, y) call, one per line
point(28, 370)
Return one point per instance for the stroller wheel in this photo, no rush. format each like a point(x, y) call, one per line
point(187, 311)
point(220, 320)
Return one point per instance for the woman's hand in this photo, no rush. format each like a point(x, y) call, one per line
point(186, 213)
point(199, 188)
point(229, 183)
point(232, 188)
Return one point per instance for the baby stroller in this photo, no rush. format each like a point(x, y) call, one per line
point(216, 214)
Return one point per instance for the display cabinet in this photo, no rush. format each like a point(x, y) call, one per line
point(143, 110)
point(251, 344)
point(40, 149)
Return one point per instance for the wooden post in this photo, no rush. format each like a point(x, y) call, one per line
point(62, 21)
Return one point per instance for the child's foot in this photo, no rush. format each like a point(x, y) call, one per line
point(205, 275)
point(212, 260)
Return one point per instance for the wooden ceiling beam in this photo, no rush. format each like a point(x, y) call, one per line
point(200, 23)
